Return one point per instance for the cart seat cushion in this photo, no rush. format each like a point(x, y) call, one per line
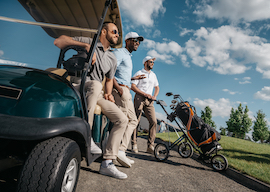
point(60, 72)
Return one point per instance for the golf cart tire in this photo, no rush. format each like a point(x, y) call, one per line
point(53, 165)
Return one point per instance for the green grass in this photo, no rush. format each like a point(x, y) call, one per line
point(245, 156)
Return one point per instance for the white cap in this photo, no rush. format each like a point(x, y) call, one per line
point(148, 58)
point(133, 35)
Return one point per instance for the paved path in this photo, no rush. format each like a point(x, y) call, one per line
point(174, 175)
point(148, 175)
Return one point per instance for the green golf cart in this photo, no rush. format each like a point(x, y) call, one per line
point(43, 118)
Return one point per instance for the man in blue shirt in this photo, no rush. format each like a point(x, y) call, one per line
point(121, 91)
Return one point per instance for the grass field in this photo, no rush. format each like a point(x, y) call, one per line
point(245, 156)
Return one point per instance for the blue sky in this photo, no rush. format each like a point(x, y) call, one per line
point(212, 52)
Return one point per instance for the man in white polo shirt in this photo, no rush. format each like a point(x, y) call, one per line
point(144, 101)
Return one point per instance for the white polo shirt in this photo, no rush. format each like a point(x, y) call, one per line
point(147, 84)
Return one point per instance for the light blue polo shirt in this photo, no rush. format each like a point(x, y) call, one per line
point(124, 66)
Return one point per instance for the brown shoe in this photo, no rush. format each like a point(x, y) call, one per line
point(150, 149)
point(135, 148)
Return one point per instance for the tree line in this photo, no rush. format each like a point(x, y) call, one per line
point(239, 124)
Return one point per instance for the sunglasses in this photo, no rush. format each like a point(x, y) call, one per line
point(135, 40)
point(114, 32)
point(151, 61)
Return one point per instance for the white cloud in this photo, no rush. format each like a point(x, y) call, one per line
point(164, 51)
point(2, 61)
point(163, 57)
point(234, 10)
point(221, 108)
point(185, 31)
point(142, 12)
point(1, 53)
point(161, 116)
point(157, 33)
point(244, 80)
point(228, 50)
point(264, 94)
point(251, 115)
point(230, 92)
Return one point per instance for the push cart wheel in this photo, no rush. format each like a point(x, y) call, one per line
point(219, 162)
point(185, 150)
point(161, 152)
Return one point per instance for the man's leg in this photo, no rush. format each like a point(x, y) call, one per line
point(138, 106)
point(150, 114)
point(119, 120)
point(125, 103)
point(93, 91)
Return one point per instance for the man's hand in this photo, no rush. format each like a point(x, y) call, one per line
point(154, 98)
point(120, 91)
point(109, 97)
point(138, 77)
point(94, 59)
point(148, 96)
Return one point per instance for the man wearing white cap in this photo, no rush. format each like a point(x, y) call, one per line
point(144, 101)
point(121, 91)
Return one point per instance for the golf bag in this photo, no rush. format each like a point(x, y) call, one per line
point(202, 134)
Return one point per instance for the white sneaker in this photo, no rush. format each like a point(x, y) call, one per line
point(112, 171)
point(150, 149)
point(94, 149)
point(135, 148)
point(130, 160)
point(123, 160)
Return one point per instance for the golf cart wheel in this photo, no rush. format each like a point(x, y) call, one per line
point(161, 152)
point(53, 165)
point(185, 150)
point(219, 162)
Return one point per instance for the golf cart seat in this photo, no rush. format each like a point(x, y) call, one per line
point(60, 72)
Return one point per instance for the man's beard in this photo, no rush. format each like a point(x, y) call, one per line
point(110, 39)
point(148, 67)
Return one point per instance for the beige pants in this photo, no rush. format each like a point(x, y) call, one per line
point(125, 103)
point(94, 95)
point(144, 104)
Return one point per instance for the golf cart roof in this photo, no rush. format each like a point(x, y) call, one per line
point(76, 13)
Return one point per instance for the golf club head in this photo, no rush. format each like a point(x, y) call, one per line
point(169, 94)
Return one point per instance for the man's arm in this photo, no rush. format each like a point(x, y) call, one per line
point(63, 41)
point(117, 87)
point(154, 97)
point(108, 90)
point(138, 91)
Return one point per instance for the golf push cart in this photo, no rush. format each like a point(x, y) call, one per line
point(43, 119)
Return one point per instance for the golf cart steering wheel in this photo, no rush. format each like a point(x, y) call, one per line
point(74, 63)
